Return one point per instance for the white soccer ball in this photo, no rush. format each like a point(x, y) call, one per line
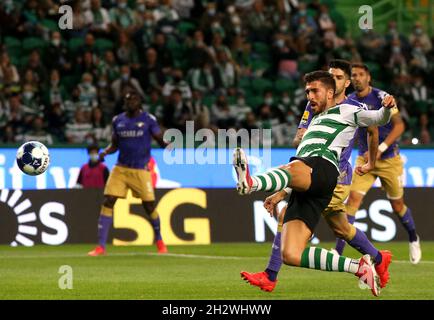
point(33, 158)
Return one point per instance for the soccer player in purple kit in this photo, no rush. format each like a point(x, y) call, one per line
point(388, 167)
point(133, 131)
point(335, 213)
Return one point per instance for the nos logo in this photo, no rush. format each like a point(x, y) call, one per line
point(24, 217)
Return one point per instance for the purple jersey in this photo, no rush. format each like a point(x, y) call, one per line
point(373, 102)
point(345, 169)
point(134, 137)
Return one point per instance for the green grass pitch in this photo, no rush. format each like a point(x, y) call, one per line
point(196, 273)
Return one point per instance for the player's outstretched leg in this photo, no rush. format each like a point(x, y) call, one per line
point(105, 222)
point(295, 235)
point(406, 218)
point(359, 241)
point(295, 175)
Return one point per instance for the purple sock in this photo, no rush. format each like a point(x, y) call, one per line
point(408, 223)
point(361, 243)
point(340, 243)
point(104, 224)
point(156, 225)
point(275, 261)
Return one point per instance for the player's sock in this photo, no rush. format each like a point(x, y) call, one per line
point(273, 180)
point(407, 222)
point(361, 243)
point(155, 221)
point(104, 224)
point(322, 259)
point(275, 261)
point(340, 243)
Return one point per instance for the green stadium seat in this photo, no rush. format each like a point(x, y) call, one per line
point(50, 25)
point(12, 42)
point(185, 27)
point(260, 65)
point(74, 44)
point(259, 85)
point(261, 48)
point(208, 100)
point(32, 43)
point(282, 85)
point(254, 101)
point(103, 45)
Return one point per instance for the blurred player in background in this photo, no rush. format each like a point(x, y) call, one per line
point(388, 167)
point(335, 213)
point(133, 131)
point(94, 173)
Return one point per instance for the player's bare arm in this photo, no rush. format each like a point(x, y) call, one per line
point(271, 202)
point(371, 154)
point(395, 133)
point(159, 138)
point(298, 136)
point(110, 149)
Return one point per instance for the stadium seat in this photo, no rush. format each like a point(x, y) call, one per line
point(208, 100)
point(282, 85)
point(74, 44)
point(254, 101)
point(50, 25)
point(185, 27)
point(32, 43)
point(259, 85)
point(12, 42)
point(103, 45)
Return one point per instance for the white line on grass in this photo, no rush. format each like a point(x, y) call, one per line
point(172, 255)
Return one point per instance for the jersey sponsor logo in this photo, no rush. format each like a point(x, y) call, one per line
point(130, 133)
point(305, 117)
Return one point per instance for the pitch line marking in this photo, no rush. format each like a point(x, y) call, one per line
point(173, 255)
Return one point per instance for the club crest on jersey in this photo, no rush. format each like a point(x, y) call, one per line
point(140, 124)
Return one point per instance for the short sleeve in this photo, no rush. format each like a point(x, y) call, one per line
point(154, 128)
point(306, 118)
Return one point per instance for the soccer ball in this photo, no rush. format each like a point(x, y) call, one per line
point(33, 158)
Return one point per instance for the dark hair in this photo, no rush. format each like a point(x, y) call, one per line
point(323, 76)
point(361, 66)
point(344, 65)
point(92, 147)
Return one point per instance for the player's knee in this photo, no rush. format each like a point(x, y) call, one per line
point(397, 205)
point(149, 206)
point(109, 201)
point(291, 257)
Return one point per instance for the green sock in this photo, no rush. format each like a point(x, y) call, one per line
point(322, 259)
point(273, 180)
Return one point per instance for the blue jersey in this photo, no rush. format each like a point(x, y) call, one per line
point(345, 169)
point(373, 102)
point(134, 136)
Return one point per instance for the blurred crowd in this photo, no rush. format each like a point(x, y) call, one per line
point(224, 64)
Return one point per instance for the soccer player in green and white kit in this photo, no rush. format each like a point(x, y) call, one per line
point(312, 175)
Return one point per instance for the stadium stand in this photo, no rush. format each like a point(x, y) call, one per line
point(256, 49)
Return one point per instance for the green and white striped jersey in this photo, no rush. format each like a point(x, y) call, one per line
point(332, 130)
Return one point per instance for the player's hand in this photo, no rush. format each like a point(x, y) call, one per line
point(362, 170)
point(389, 102)
point(271, 202)
point(101, 156)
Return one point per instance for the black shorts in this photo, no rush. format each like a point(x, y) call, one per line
point(308, 206)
